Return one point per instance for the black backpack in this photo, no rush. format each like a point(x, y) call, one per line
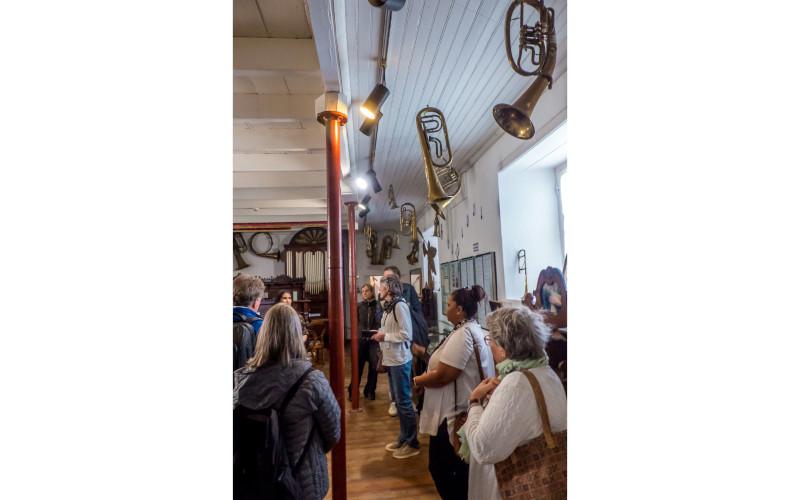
point(261, 467)
point(419, 327)
point(244, 339)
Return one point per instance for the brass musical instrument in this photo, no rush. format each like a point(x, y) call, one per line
point(395, 240)
point(522, 266)
point(540, 40)
point(392, 200)
point(270, 243)
point(443, 180)
point(386, 248)
point(239, 247)
point(408, 227)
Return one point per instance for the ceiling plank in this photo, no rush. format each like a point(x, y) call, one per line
point(278, 179)
point(260, 138)
point(285, 18)
point(261, 162)
point(281, 193)
point(299, 107)
point(274, 54)
point(263, 212)
point(308, 203)
point(278, 218)
point(247, 20)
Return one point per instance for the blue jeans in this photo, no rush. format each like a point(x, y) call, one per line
point(400, 380)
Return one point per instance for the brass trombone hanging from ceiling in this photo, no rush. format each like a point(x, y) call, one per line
point(443, 180)
point(540, 41)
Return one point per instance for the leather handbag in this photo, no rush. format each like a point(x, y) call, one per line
point(537, 469)
point(461, 418)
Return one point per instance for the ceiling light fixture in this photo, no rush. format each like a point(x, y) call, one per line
point(361, 183)
point(373, 180)
point(371, 108)
point(364, 206)
point(388, 4)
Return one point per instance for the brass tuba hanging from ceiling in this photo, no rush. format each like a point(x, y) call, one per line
point(443, 180)
point(540, 40)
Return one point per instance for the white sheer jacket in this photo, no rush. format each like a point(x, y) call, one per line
point(510, 419)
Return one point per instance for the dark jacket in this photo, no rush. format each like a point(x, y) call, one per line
point(369, 315)
point(412, 299)
point(314, 403)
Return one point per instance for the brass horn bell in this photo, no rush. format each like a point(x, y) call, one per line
point(540, 42)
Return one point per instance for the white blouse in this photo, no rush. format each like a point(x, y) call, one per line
point(396, 345)
point(458, 351)
point(510, 419)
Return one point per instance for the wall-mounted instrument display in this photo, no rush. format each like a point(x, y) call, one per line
point(540, 41)
point(268, 243)
point(443, 180)
point(372, 244)
point(392, 199)
point(239, 247)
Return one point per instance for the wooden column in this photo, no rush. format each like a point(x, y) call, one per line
point(355, 334)
point(332, 121)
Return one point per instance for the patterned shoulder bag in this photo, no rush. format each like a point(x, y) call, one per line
point(537, 469)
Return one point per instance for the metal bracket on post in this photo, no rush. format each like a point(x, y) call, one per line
point(331, 104)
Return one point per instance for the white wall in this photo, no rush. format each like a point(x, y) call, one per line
point(529, 207)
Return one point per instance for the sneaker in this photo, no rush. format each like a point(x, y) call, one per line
point(405, 452)
point(393, 446)
point(392, 410)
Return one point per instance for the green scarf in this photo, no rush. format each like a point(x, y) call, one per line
point(503, 368)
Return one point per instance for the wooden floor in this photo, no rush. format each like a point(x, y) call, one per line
point(372, 472)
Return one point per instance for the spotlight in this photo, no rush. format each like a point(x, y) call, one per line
point(364, 206)
point(361, 183)
point(375, 99)
point(371, 109)
point(373, 179)
point(368, 125)
point(389, 4)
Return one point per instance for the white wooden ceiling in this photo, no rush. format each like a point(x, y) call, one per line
point(448, 54)
point(278, 146)
point(445, 53)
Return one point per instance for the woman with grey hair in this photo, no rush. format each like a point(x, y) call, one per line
point(503, 413)
point(310, 419)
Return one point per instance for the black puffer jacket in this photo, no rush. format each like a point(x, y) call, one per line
point(314, 402)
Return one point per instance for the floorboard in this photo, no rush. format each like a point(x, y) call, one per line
point(372, 472)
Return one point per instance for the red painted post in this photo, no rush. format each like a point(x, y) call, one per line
point(332, 121)
point(355, 334)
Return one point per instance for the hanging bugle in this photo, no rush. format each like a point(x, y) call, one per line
point(266, 253)
point(540, 40)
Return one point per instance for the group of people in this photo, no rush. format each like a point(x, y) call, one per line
point(478, 406)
